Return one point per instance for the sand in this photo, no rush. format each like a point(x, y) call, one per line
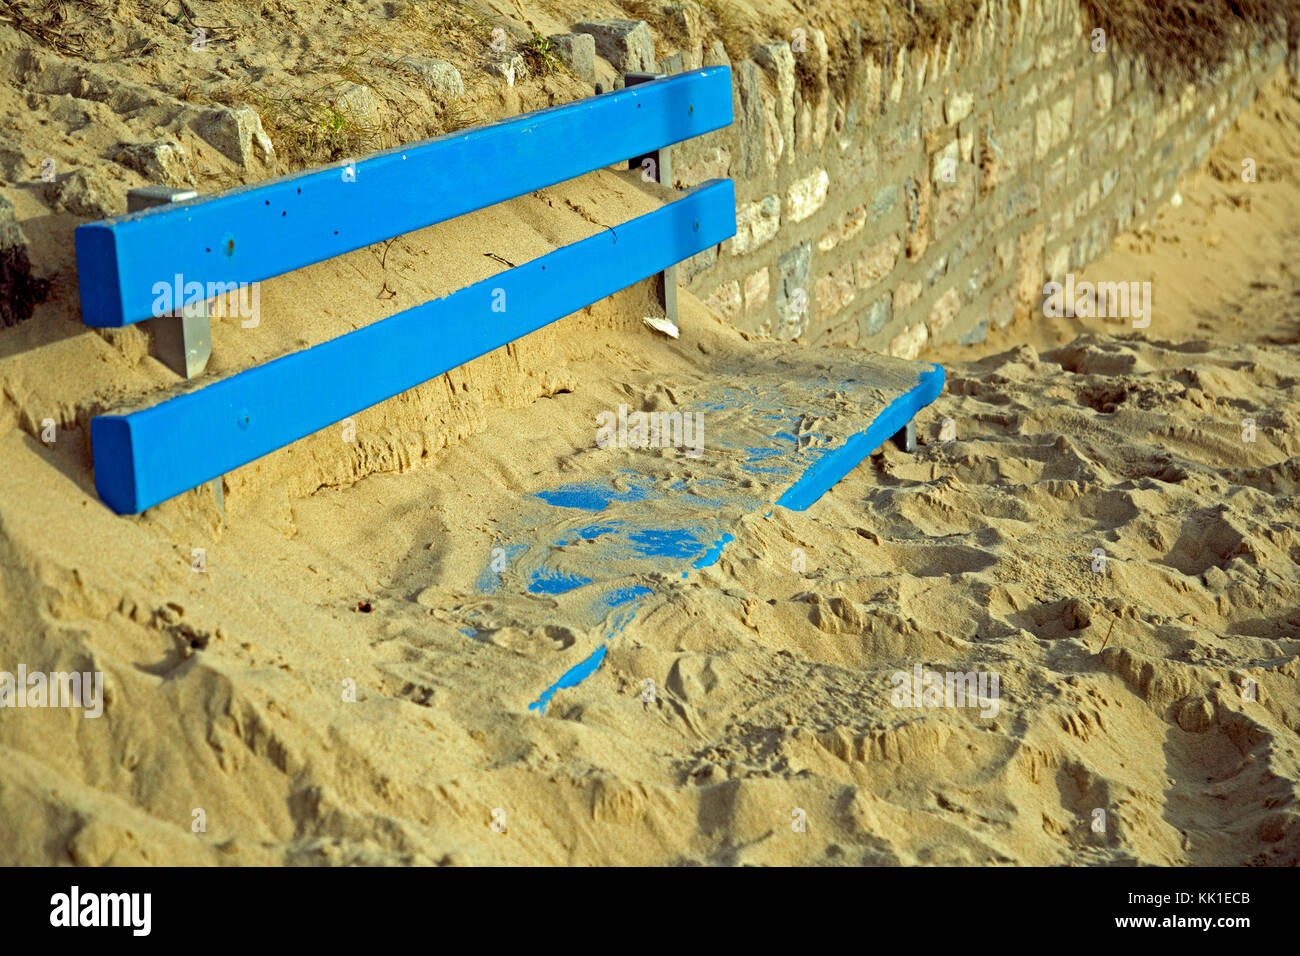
point(310, 698)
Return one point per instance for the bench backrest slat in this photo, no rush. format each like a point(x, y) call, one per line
point(256, 232)
point(151, 455)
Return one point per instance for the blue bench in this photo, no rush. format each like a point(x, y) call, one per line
point(253, 233)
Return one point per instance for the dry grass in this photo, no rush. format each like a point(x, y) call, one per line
point(737, 33)
point(306, 127)
point(1185, 41)
point(445, 29)
point(66, 28)
point(669, 30)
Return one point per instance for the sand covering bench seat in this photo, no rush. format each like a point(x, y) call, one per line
point(591, 556)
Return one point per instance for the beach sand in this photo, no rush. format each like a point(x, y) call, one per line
point(311, 691)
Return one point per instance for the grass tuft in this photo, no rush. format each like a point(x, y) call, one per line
point(540, 56)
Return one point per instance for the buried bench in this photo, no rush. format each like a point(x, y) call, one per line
point(776, 425)
point(782, 423)
point(252, 233)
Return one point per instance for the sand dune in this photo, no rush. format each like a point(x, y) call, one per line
point(1105, 519)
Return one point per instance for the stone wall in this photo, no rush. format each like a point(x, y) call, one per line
point(949, 183)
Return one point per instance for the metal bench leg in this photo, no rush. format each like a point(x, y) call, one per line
point(663, 169)
point(182, 339)
point(905, 437)
point(184, 342)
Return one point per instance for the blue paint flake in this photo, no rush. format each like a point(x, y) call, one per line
point(714, 553)
point(665, 542)
point(550, 581)
point(622, 596)
point(590, 497)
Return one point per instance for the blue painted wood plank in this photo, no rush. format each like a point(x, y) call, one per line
point(822, 475)
point(256, 232)
point(151, 455)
